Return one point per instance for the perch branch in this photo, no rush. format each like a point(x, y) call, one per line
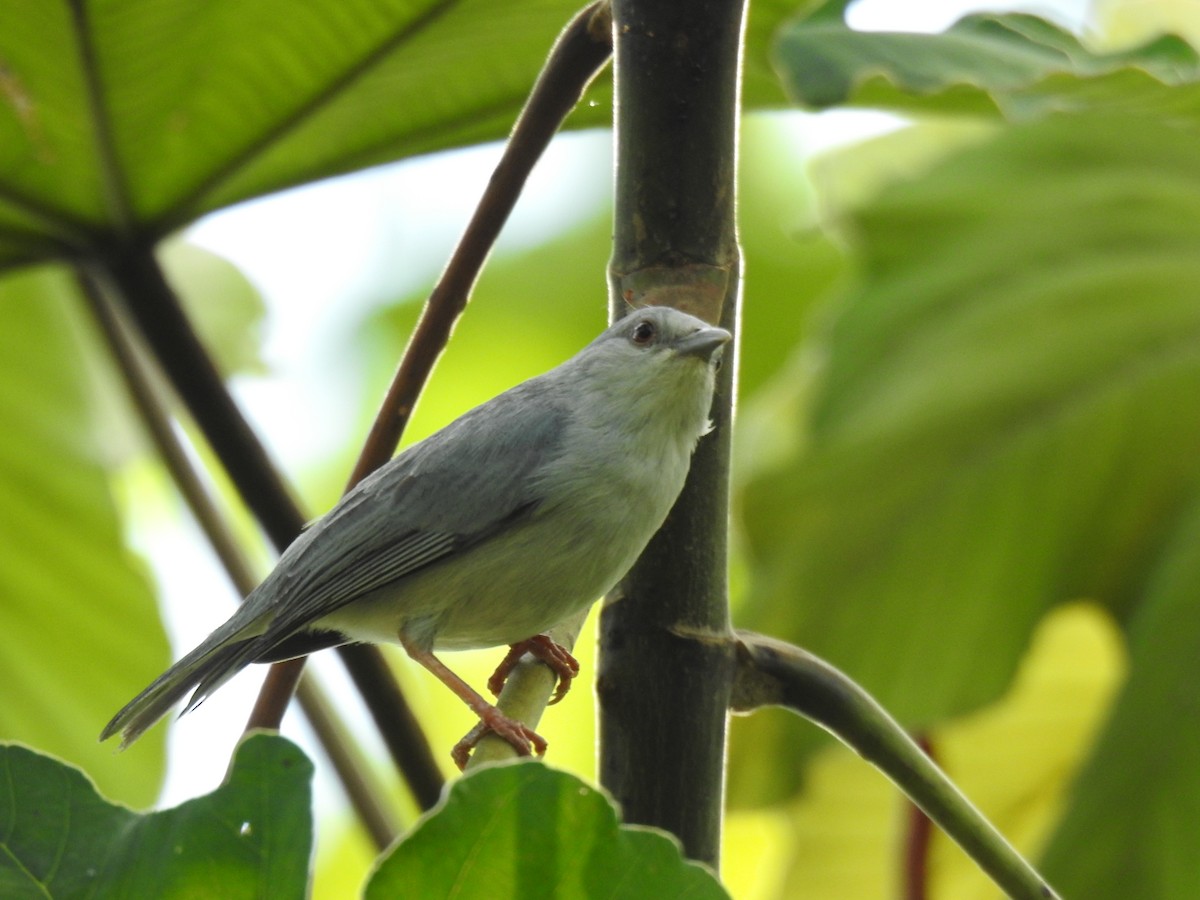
point(526, 694)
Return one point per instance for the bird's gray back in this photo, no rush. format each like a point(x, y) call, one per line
point(437, 498)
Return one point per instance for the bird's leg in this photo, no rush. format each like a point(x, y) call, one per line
point(549, 651)
point(523, 739)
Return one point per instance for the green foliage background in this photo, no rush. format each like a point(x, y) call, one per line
point(970, 391)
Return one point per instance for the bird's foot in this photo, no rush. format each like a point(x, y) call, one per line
point(521, 737)
point(545, 648)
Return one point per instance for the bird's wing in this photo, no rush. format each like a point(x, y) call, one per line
point(440, 497)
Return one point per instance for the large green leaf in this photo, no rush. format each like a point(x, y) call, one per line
point(146, 113)
point(250, 838)
point(1137, 803)
point(122, 119)
point(524, 830)
point(1008, 418)
point(1015, 65)
point(79, 629)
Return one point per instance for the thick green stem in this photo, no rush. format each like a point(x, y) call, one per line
point(666, 662)
point(771, 672)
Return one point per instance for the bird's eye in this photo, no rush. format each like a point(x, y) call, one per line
point(643, 333)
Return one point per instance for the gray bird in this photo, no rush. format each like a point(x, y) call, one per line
point(515, 516)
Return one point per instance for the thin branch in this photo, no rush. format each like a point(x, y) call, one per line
point(918, 838)
point(140, 283)
point(352, 770)
point(526, 693)
point(580, 52)
point(772, 673)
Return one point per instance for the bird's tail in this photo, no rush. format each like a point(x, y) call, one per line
point(221, 656)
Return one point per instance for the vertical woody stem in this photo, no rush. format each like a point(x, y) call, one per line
point(666, 657)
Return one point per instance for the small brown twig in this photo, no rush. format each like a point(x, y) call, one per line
point(577, 56)
point(918, 838)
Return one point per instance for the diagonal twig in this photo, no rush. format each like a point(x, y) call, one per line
point(580, 52)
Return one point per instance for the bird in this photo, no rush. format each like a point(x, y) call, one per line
point(517, 515)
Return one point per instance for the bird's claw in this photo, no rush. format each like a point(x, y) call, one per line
point(523, 739)
point(545, 648)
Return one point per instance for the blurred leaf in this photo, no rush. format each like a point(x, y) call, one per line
point(851, 825)
point(756, 849)
point(789, 263)
point(251, 836)
point(851, 177)
point(79, 627)
point(223, 306)
point(1008, 418)
point(138, 117)
point(204, 104)
point(1015, 65)
point(524, 830)
point(1124, 23)
point(1137, 802)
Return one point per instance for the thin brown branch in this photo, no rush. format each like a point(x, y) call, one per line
point(918, 837)
point(577, 56)
point(352, 771)
point(282, 681)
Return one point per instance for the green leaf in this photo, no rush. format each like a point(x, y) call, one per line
point(1008, 418)
point(143, 115)
point(222, 305)
point(524, 830)
point(125, 120)
point(79, 627)
point(249, 838)
point(1014, 65)
point(1138, 801)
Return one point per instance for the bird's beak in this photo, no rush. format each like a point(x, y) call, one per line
point(703, 343)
